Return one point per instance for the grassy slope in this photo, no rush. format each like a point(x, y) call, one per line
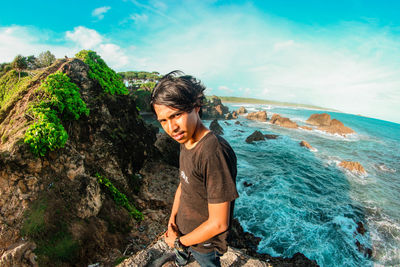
point(233, 99)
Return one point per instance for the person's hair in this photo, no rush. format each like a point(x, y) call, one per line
point(176, 90)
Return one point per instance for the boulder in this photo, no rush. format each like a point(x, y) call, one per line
point(307, 145)
point(238, 123)
point(256, 136)
point(271, 136)
point(323, 119)
point(19, 254)
point(259, 116)
point(234, 115)
point(241, 110)
point(326, 124)
point(169, 149)
point(228, 116)
point(336, 127)
point(283, 122)
point(216, 128)
point(214, 109)
point(352, 166)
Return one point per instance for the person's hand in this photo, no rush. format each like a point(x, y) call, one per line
point(171, 234)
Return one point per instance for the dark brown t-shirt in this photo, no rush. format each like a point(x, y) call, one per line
point(207, 175)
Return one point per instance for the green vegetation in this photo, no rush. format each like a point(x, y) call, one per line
point(55, 244)
point(10, 87)
point(119, 198)
point(61, 100)
point(64, 96)
point(234, 99)
point(46, 133)
point(108, 79)
point(45, 59)
point(19, 64)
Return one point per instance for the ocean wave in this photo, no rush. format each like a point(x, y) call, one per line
point(382, 167)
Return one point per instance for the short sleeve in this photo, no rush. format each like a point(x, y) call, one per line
point(220, 176)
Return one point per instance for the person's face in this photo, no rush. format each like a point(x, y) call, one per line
point(180, 125)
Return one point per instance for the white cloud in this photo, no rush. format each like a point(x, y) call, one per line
point(347, 62)
point(26, 41)
point(99, 12)
point(84, 37)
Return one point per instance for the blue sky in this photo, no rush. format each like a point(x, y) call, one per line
point(336, 54)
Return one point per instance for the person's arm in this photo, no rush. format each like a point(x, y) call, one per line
point(175, 206)
point(172, 232)
point(217, 222)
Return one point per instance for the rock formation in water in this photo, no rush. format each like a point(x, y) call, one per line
point(307, 145)
point(353, 166)
point(259, 116)
point(283, 122)
point(325, 123)
point(258, 136)
point(241, 110)
point(214, 109)
point(216, 128)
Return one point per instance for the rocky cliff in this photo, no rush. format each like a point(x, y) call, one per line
point(104, 192)
point(55, 201)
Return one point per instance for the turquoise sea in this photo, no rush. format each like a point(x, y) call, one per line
point(301, 201)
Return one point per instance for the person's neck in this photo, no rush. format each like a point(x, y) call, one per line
point(198, 134)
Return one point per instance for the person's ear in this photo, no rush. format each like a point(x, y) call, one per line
point(197, 109)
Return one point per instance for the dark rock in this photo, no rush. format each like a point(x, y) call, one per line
point(216, 128)
point(361, 228)
point(238, 123)
point(214, 109)
point(169, 149)
point(228, 116)
point(256, 136)
point(271, 136)
point(246, 184)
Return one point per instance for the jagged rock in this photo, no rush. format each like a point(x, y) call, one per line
point(282, 121)
point(255, 136)
point(360, 228)
point(169, 149)
point(214, 109)
point(259, 116)
point(352, 166)
point(324, 123)
point(216, 128)
point(112, 141)
point(234, 115)
point(246, 184)
point(228, 116)
point(336, 127)
point(19, 254)
point(258, 136)
point(241, 110)
point(323, 119)
point(307, 145)
point(92, 201)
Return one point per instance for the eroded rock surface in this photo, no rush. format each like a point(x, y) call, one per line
point(259, 116)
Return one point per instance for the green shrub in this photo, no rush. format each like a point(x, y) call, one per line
point(108, 79)
point(46, 133)
point(61, 99)
point(119, 198)
point(64, 96)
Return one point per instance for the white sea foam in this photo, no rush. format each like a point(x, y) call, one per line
point(383, 167)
